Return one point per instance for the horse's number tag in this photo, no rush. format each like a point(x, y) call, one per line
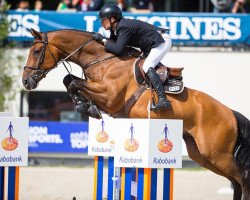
point(175, 88)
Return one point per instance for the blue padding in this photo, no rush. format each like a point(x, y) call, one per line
point(166, 184)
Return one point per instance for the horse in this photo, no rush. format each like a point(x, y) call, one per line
point(216, 137)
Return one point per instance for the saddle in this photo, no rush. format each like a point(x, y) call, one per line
point(171, 78)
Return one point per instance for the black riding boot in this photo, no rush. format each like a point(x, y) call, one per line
point(162, 103)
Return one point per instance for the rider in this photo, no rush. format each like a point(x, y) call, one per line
point(153, 42)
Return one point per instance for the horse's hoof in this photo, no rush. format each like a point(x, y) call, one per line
point(94, 112)
point(82, 108)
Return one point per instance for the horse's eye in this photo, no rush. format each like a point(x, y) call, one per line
point(36, 52)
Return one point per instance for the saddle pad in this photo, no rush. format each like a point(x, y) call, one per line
point(173, 86)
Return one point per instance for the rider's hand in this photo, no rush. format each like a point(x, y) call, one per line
point(99, 38)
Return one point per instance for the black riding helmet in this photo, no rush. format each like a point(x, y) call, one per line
point(110, 10)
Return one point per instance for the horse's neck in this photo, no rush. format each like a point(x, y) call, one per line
point(69, 41)
point(89, 54)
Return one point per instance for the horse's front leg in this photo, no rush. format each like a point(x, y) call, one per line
point(94, 90)
point(76, 87)
point(80, 102)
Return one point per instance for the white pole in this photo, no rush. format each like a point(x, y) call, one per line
point(116, 183)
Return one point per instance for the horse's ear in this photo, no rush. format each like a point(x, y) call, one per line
point(35, 34)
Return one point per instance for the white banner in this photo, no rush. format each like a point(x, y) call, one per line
point(148, 143)
point(145, 143)
point(14, 141)
point(101, 137)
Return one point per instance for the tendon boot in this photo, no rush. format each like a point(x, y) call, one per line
point(79, 103)
point(162, 103)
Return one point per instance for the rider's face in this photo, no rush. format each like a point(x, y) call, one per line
point(106, 23)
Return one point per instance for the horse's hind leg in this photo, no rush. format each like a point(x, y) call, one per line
point(195, 155)
point(237, 190)
point(246, 186)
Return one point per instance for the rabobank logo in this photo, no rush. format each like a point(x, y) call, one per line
point(102, 136)
point(165, 145)
point(131, 144)
point(10, 143)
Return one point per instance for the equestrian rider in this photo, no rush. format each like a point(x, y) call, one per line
point(153, 41)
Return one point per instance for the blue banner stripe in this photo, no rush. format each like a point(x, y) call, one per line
point(11, 183)
point(128, 179)
point(153, 195)
point(58, 137)
point(140, 185)
point(2, 173)
point(100, 178)
point(166, 184)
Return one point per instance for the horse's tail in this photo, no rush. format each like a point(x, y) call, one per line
point(242, 146)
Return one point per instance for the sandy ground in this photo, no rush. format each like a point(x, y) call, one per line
point(64, 183)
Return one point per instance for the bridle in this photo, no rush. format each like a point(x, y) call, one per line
point(39, 72)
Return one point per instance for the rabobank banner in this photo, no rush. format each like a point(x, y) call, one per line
point(186, 28)
point(58, 137)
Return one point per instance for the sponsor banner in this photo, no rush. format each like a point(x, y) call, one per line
point(165, 137)
point(186, 28)
point(148, 143)
point(14, 141)
point(145, 143)
point(101, 137)
point(58, 137)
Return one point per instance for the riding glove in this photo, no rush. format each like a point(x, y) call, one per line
point(99, 38)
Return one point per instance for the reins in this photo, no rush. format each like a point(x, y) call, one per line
point(98, 61)
point(42, 72)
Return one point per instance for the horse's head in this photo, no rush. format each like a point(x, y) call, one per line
point(48, 49)
point(37, 66)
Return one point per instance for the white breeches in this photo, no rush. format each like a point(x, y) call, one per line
point(157, 54)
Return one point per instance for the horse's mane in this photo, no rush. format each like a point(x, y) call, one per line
point(74, 30)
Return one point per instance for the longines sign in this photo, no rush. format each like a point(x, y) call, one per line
point(185, 28)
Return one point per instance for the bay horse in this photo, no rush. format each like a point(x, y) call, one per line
point(216, 137)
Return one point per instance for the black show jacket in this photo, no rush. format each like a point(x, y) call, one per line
point(135, 33)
